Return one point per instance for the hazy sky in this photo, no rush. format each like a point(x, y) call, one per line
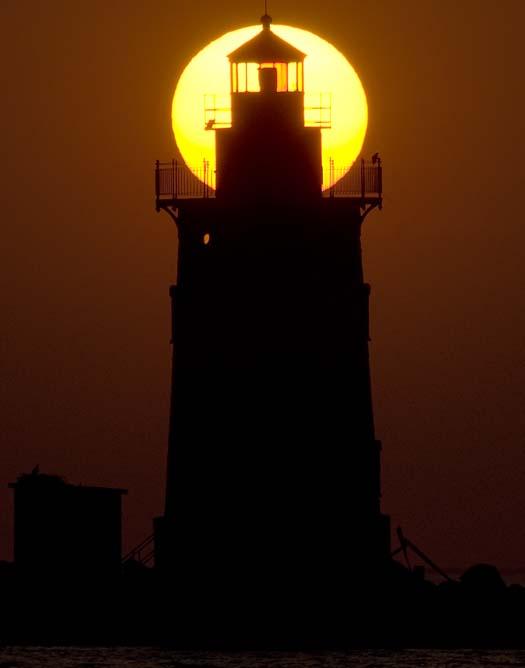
point(86, 261)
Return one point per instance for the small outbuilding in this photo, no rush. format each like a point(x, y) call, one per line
point(66, 530)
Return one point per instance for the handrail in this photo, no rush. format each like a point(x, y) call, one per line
point(404, 543)
point(174, 180)
point(136, 552)
point(362, 181)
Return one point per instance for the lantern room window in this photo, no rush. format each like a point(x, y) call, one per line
point(266, 51)
point(247, 77)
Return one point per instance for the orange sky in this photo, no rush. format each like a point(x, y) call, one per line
point(84, 350)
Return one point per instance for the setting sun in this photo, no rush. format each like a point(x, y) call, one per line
point(334, 96)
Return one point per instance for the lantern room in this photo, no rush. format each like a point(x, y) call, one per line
point(267, 154)
point(267, 64)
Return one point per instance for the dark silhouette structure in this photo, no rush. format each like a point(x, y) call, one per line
point(64, 530)
point(272, 534)
point(274, 467)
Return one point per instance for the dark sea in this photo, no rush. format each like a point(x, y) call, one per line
point(151, 657)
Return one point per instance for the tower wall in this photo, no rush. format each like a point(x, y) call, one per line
point(272, 441)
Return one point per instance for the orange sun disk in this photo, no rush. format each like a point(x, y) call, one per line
point(334, 96)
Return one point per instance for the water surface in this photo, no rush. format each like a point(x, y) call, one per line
point(151, 657)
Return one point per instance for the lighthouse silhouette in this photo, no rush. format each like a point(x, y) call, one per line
point(273, 472)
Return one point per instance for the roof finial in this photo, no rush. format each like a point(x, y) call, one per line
point(266, 20)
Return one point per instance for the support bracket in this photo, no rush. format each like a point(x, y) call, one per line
point(369, 208)
point(172, 211)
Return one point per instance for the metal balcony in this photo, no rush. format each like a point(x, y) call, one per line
point(362, 183)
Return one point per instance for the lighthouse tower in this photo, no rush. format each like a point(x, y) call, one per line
point(273, 480)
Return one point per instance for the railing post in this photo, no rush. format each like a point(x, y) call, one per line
point(173, 191)
point(379, 179)
point(157, 179)
point(362, 179)
point(332, 175)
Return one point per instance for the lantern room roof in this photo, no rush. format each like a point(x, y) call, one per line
point(266, 47)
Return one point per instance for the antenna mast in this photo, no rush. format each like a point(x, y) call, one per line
point(266, 20)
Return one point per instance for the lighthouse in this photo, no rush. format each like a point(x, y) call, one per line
point(273, 468)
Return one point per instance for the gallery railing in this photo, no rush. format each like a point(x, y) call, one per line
point(363, 180)
point(173, 180)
